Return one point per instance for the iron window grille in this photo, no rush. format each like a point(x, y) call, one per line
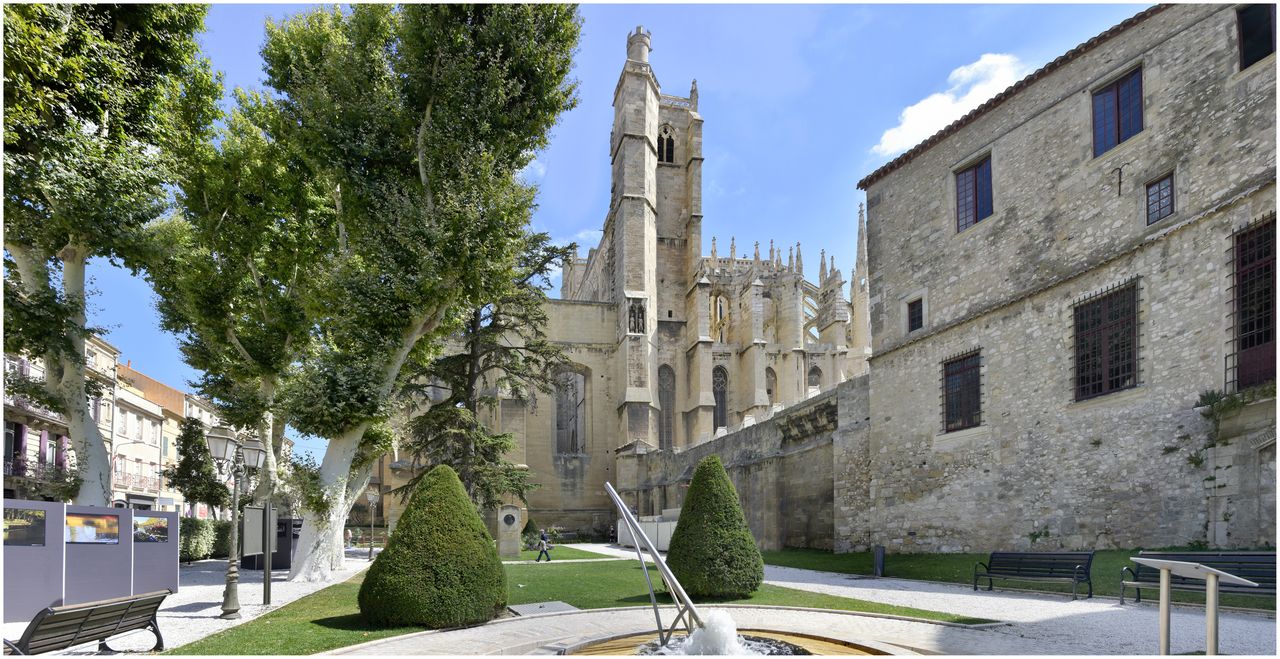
point(1159, 199)
point(962, 392)
point(1117, 112)
point(973, 194)
point(1256, 29)
point(915, 315)
point(1252, 353)
point(1106, 341)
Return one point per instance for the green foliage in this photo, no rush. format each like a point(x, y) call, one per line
point(195, 539)
point(194, 475)
point(221, 538)
point(300, 489)
point(449, 435)
point(712, 551)
point(440, 567)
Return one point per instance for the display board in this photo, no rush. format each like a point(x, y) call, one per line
point(33, 557)
point(155, 551)
point(99, 561)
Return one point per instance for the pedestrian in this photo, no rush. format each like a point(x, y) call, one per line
point(544, 545)
point(347, 537)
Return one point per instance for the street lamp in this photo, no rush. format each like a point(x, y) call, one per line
point(372, 495)
point(230, 455)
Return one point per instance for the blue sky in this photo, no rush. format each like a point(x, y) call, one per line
point(799, 103)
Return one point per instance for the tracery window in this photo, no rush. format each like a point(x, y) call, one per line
point(570, 416)
point(720, 388)
point(666, 145)
point(667, 401)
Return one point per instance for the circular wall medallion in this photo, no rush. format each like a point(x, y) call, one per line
point(509, 519)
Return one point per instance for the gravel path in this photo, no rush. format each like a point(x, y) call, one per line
point(192, 613)
point(1057, 624)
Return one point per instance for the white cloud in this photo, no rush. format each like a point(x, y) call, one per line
point(534, 170)
point(587, 239)
point(971, 85)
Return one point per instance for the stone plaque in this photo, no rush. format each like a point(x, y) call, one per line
point(510, 523)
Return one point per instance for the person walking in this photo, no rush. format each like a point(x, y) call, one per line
point(544, 545)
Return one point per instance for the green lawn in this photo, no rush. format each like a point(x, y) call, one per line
point(958, 568)
point(559, 553)
point(330, 618)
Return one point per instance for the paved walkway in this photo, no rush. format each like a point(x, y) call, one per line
point(192, 613)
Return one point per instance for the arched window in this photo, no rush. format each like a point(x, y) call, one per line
point(667, 401)
point(666, 145)
point(720, 387)
point(570, 417)
point(770, 384)
point(719, 317)
point(815, 376)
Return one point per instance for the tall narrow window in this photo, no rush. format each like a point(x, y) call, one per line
point(570, 420)
point(666, 145)
point(962, 393)
point(1117, 112)
point(667, 401)
point(815, 377)
point(1160, 199)
point(1257, 31)
point(973, 194)
point(1106, 341)
point(770, 385)
point(720, 388)
point(1255, 305)
point(915, 315)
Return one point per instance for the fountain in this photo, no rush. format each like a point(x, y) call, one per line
point(692, 632)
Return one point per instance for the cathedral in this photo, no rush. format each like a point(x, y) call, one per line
point(671, 346)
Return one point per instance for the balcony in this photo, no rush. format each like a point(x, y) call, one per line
point(24, 405)
point(136, 483)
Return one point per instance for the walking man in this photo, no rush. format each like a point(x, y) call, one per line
point(544, 545)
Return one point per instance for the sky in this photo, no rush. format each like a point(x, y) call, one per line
point(799, 102)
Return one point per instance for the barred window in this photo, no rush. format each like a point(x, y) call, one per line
point(1117, 112)
point(962, 393)
point(1106, 341)
point(973, 194)
point(720, 388)
point(1255, 305)
point(1159, 199)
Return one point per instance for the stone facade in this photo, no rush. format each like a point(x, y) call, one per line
point(1044, 470)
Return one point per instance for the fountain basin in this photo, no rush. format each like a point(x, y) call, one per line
point(786, 643)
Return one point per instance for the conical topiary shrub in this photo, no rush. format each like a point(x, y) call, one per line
point(440, 567)
point(712, 552)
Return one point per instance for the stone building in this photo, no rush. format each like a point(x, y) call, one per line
point(1056, 278)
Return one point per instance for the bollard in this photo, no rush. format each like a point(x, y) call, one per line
point(877, 561)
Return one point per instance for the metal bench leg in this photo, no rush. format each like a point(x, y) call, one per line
point(1074, 584)
point(154, 626)
point(1090, 582)
point(14, 646)
point(1137, 598)
point(1122, 593)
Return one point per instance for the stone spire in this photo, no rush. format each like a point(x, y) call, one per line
point(822, 266)
point(791, 258)
point(693, 95)
point(799, 260)
point(756, 258)
point(832, 270)
point(772, 255)
point(639, 44)
point(733, 250)
point(713, 251)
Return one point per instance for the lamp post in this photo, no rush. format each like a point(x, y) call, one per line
point(230, 455)
point(372, 495)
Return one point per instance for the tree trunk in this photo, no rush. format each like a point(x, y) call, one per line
point(316, 544)
point(92, 460)
point(266, 433)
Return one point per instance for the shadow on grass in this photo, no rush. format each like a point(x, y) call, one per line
point(352, 622)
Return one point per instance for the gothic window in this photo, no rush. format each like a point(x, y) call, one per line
point(1255, 305)
point(720, 388)
point(667, 401)
point(770, 385)
point(570, 415)
point(666, 145)
point(1106, 338)
point(1257, 25)
point(815, 376)
point(1117, 112)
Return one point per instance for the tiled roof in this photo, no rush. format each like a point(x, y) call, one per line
point(1007, 94)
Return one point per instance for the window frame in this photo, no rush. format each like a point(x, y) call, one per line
point(966, 363)
point(1113, 86)
point(919, 303)
point(977, 167)
point(1106, 331)
point(720, 393)
point(1235, 381)
point(1173, 198)
point(1240, 35)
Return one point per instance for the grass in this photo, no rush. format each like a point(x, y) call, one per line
point(330, 618)
point(323, 620)
point(559, 553)
point(621, 583)
point(958, 568)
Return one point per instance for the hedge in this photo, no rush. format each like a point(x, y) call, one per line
point(195, 539)
point(440, 567)
point(712, 551)
point(221, 538)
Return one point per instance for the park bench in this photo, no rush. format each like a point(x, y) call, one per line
point(1072, 566)
point(61, 627)
point(1256, 566)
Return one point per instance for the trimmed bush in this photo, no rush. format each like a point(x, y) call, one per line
point(195, 539)
point(221, 538)
point(440, 568)
point(712, 552)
